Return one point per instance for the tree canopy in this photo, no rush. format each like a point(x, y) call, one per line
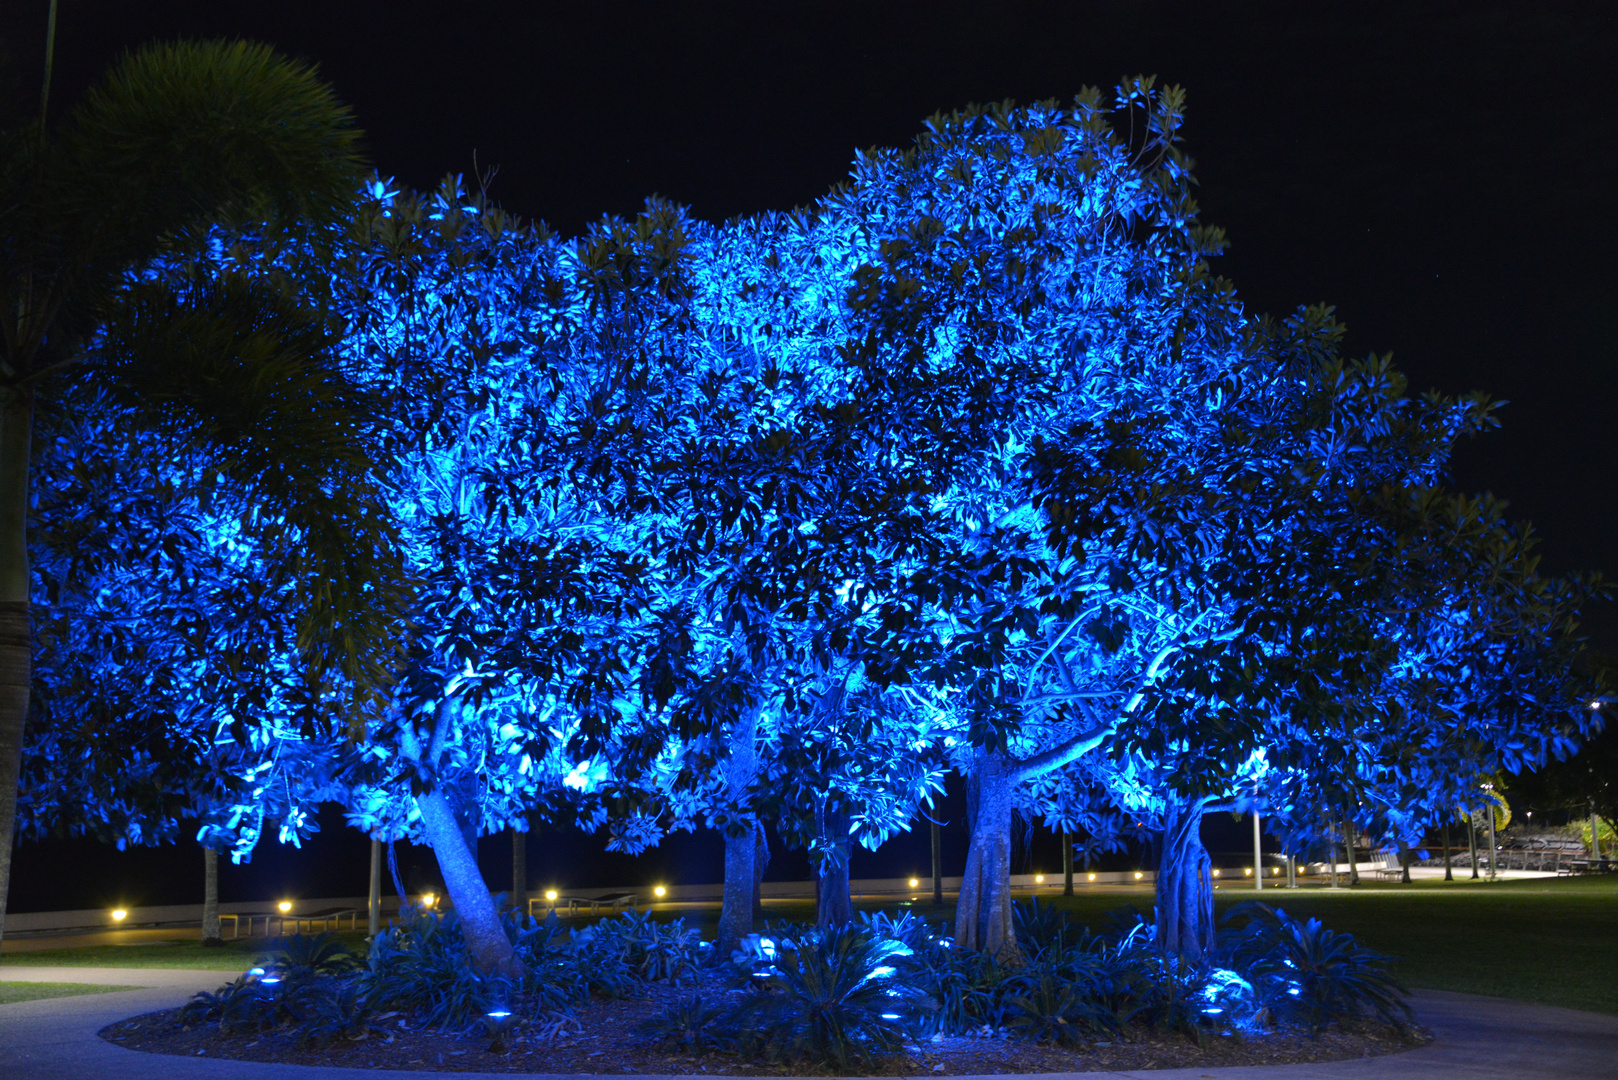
point(973, 464)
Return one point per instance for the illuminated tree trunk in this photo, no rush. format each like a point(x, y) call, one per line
point(485, 938)
point(983, 912)
point(833, 904)
point(16, 637)
point(761, 863)
point(741, 844)
point(1185, 912)
point(211, 934)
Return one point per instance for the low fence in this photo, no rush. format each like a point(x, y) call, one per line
point(44, 922)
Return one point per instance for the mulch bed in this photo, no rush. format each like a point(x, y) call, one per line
point(604, 1040)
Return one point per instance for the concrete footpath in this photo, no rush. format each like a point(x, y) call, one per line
point(1478, 1038)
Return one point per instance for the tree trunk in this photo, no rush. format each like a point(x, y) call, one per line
point(1404, 861)
point(1472, 844)
point(1185, 911)
point(736, 911)
point(373, 904)
point(1067, 864)
point(485, 938)
point(983, 910)
point(1449, 874)
point(16, 636)
point(519, 871)
point(761, 864)
point(1348, 849)
point(833, 904)
point(211, 934)
point(938, 864)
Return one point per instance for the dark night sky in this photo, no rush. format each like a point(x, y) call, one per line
point(1444, 173)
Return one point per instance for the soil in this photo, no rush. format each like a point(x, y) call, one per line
point(601, 1038)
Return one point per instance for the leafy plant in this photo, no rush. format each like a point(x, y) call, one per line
point(686, 1026)
point(420, 966)
point(1303, 971)
point(829, 1000)
point(330, 1010)
point(302, 956)
point(1048, 1008)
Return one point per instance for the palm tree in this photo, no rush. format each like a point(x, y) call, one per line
point(179, 140)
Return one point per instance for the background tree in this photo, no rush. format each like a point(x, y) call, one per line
point(179, 137)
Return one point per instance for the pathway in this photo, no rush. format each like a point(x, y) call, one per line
point(1478, 1038)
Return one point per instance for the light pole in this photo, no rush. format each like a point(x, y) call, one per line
point(1258, 856)
point(1489, 789)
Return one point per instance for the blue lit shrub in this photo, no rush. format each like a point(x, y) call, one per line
point(688, 1026)
point(831, 999)
point(304, 956)
point(1304, 973)
point(420, 967)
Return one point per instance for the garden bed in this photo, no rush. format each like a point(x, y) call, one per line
point(604, 1039)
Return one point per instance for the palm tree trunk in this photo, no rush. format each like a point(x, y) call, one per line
point(1067, 864)
point(938, 864)
point(373, 905)
point(16, 638)
point(1449, 874)
point(519, 871)
point(211, 934)
point(485, 938)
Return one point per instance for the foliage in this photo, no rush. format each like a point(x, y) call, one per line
point(420, 966)
point(303, 956)
point(687, 1026)
point(1301, 970)
point(831, 1000)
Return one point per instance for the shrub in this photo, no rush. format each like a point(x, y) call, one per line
point(1303, 971)
point(686, 1025)
point(302, 956)
point(420, 966)
point(1045, 1007)
point(831, 1000)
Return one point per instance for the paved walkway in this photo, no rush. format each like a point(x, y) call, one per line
point(1478, 1038)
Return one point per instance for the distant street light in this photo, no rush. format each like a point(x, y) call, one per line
point(119, 915)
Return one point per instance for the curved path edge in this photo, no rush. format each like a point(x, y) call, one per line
point(1476, 1038)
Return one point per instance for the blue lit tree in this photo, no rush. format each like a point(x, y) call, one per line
point(972, 463)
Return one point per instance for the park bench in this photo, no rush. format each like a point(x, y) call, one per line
point(1386, 866)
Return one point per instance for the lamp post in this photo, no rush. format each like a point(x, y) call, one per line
point(1489, 789)
point(1258, 856)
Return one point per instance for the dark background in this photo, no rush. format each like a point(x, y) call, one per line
point(1444, 173)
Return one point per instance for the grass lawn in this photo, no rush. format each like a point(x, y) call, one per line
point(13, 992)
point(1551, 940)
point(235, 956)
